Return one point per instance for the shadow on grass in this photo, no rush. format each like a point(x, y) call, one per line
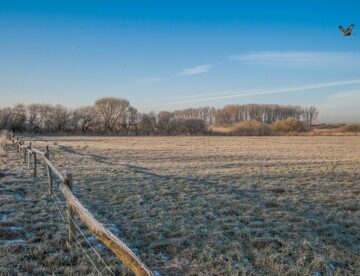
point(197, 180)
point(95, 157)
point(170, 216)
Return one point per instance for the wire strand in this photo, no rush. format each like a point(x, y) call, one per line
point(54, 197)
point(86, 239)
point(66, 226)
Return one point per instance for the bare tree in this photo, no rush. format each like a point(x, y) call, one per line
point(58, 118)
point(133, 118)
point(35, 117)
point(6, 117)
point(311, 113)
point(164, 122)
point(85, 117)
point(110, 110)
point(194, 126)
point(18, 118)
point(147, 123)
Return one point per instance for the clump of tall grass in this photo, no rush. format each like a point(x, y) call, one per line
point(250, 128)
point(351, 128)
point(289, 125)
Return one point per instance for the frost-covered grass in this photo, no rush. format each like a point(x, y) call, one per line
point(202, 205)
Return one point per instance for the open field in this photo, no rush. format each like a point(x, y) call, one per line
point(193, 205)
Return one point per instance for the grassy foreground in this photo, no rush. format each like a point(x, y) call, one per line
point(193, 205)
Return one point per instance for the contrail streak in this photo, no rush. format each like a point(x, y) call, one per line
point(249, 93)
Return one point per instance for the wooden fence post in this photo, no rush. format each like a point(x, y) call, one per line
point(70, 213)
point(24, 149)
point(18, 145)
point(50, 178)
point(34, 164)
point(29, 156)
point(20, 148)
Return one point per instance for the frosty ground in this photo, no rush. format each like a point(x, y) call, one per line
point(192, 205)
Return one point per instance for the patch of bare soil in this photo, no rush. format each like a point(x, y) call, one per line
point(266, 244)
point(278, 190)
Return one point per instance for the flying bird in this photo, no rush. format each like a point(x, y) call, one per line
point(348, 31)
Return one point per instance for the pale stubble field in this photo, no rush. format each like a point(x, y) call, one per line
point(205, 205)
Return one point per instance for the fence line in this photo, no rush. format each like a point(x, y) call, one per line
point(56, 200)
point(74, 207)
point(78, 242)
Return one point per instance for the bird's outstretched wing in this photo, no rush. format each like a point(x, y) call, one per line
point(351, 27)
point(341, 28)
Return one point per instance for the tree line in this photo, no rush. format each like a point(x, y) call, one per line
point(232, 114)
point(111, 115)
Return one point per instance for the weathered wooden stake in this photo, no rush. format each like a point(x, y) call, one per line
point(25, 154)
point(20, 148)
point(18, 145)
point(34, 164)
point(70, 213)
point(29, 156)
point(50, 178)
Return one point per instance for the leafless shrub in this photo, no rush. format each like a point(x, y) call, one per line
point(250, 128)
point(289, 125)
point(351, 128)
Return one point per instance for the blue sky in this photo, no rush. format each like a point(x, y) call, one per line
point(177, 54)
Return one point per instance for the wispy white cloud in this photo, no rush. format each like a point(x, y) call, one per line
point(200, 69)
point(300, 58)
point(250, 93)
